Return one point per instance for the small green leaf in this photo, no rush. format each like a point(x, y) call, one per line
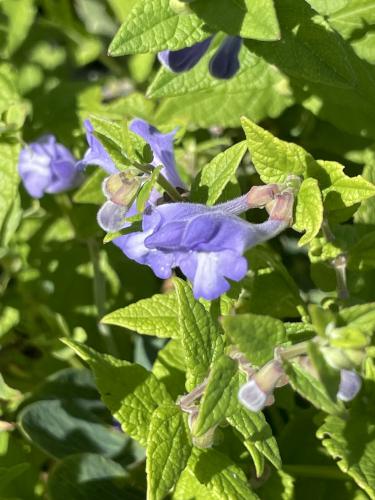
point(168, 450)
point(154, 316)
point(8, 179)
point(347, 191)
point(222, 477)
point(309, 210)
point(329, 377)
point(361, 316)
point(91, 190)
point(145, 191)
point(220, 396)
point(152, 26)
point(217, 174)
point(170, 366)
point(273, 158)
point(310, 388)
point(199, 333)
point(129, 391)
point(256, 432)
point(256, 336)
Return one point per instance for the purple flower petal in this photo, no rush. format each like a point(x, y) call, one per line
point(96, 154)
point(182, 60)
point(162, 148)
point(225, 64)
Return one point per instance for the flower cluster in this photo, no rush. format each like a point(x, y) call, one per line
point(206, 243)
point(223, 65)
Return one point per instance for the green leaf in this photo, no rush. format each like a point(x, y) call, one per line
point(361, 316)
point(198, 98)
point(8, 179)
point(91, 190)
point(154, 316)
point(329, 377)
point(346, 191)
point(256, 432)
point(220, 396)
point(168, 450)
point(8, 474)
point(6, 392)
point(366, 212)
point(152, 26)
point(20, 14)
point(310, 388)
point(309, 48)
point(129, 391)
point(145, 191)
point(9, 317)
point(309, 210)
point(89, 476)
point(351, 442)
point(249, 19)
point(169, 367)
point(62, 427)
point(273, 158)
point(200, 335)
point(215, 176)
point(326, 7)
point(354, 15)
point(256, 336)
point(222, 477)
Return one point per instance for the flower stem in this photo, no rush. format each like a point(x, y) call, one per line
point(338, 264)
point(99, 297)
point(164, 183)
point(315, 471)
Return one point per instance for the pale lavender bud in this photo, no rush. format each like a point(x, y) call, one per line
point(257, 392)
point(350, 385)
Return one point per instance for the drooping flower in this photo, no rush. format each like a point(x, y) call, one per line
point(45, 166)
point(223, 65)
point(206, 243)
point(350, 385)
point(96, 153)
point(257, 392)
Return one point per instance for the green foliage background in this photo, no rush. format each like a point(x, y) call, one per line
point(90, 340)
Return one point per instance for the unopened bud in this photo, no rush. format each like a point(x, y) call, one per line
point(350, 385)
point(255, 394)
point(282, 207)
point(260, 196)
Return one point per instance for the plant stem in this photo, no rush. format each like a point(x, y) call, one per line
point(164, 183)
point(338, 264)
point(99, 297)
point(315, 471)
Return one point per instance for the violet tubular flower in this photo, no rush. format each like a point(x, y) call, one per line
point(223, 65)
point(206, 243)
point(46, 166)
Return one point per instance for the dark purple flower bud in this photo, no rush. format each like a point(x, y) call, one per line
point(96, 154)
point(207, 243)
point(350, 385)
point(258, 391)
point(182, 60)
point(225, 63)
point(45, 166)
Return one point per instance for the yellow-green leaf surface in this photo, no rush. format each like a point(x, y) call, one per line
point(168, 450)
point(154, 316)
point(309, 210)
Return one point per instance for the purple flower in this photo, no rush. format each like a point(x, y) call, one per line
point(206, 243)
point(45, 166)
point(182, 60)
point(350, 385)
point(223, 65)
